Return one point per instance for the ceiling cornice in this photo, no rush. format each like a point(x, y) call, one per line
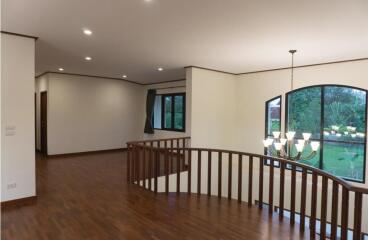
point(210, 69)
point(112, 78)
point(92, 76)
point(284, 68)
point(169, 81)
point(20, 35)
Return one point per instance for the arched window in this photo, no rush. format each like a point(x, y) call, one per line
point(336, 117)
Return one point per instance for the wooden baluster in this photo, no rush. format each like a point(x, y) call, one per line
point(312, 222)
point(144, 166)
point(189, 171)
point(282, 190)
point(292, 198)
point(209, 173)
point(177, 147)
point(219, 191)
point(166, 170)
point(182, 149)
point(128, 163)
point(270, 187)
point(250, 182)
point(172, 152)
point(159, 157)
point(230, 175)
point(240, 176)
point(199, 172)
point(324, 206)
point(334, 211)
point(156, 156)
point(260, 190)
point(150, 163)
point(344, 213)
point(178, 170)
point(138, 167)
point(357, 234)
point(303, 199)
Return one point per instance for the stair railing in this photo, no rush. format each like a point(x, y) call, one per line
point(165, 160)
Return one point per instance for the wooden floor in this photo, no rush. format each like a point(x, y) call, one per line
point(87, 197)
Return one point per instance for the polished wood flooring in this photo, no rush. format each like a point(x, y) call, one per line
point(87, 197)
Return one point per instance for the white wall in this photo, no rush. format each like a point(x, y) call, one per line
point(170, 87)
point(17, 117)
point(89, 114)
point(212, 108)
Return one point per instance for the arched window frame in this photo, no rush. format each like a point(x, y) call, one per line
point(322, 140)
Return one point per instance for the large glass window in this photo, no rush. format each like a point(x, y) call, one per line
point(157, 112)
point(273, 116)
point(336, 117)
point(169, 112)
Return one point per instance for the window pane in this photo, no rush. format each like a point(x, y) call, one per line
point(168, 111)
point(157, 112)
point(344, 160)
point(304, 112)
point(179, 112)
point(345, 111)
point(273, 116)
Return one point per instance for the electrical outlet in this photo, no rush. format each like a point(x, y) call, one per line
point(12, 186)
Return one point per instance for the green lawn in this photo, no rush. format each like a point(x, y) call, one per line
point(343, 160)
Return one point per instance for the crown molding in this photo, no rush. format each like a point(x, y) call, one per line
point(20, 35)
point(284, 68)
point(120, 79)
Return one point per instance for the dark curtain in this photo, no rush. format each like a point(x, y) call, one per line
point(150, 103)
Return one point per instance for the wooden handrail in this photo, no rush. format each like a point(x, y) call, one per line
point(321, 172)
point(155, 140)
point(171, 151)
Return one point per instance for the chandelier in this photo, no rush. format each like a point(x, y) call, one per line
point(281, 147)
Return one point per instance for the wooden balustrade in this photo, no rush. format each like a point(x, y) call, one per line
point(146, 159)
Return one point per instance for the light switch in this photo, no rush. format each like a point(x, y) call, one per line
point(10, 130)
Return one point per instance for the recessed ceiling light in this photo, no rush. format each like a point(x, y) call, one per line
point(87, 31)
point(88, 58)
point(160, 69)
point(61, 69)
point(148, 0)
point(124, 76)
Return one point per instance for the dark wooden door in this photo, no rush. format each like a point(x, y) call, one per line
point(43, 108)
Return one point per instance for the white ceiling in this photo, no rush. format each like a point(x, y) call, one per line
point(134, 37)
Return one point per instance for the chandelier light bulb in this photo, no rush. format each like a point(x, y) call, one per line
point(307, 136)
point(276, 134)
point(315, 146)
point(299, 147)
point(290, 135)
point(278, 146)
point(283, 141)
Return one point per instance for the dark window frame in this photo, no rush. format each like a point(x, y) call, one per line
point(322, 140)
point(172, 95)
point(266, 117)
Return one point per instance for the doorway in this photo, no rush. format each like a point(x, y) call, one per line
point(43, 118)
